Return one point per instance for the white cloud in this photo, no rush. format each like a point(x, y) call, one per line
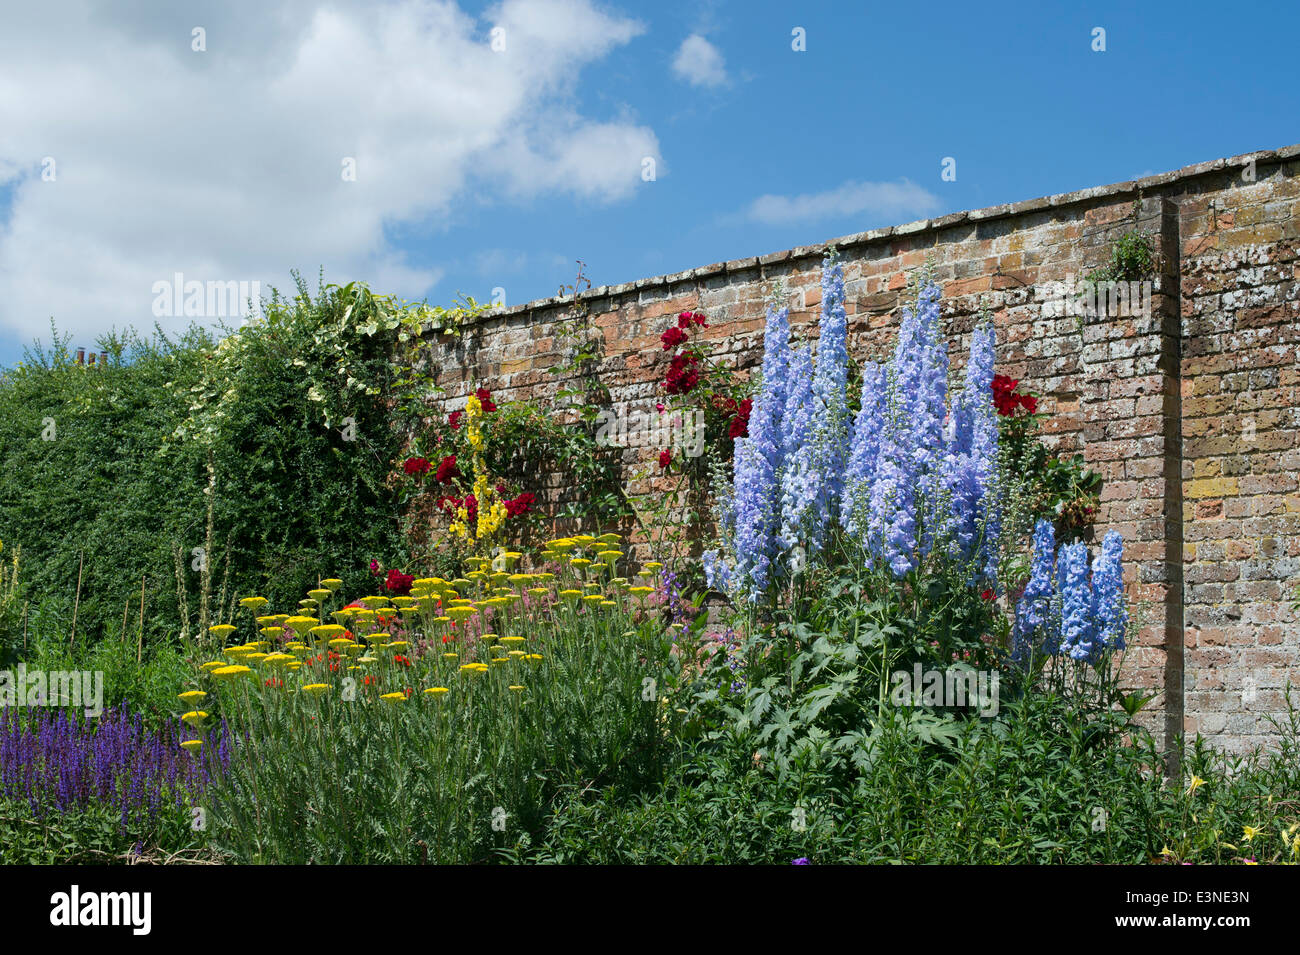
point(226, 164)
point(892, 201)
point(699, 62)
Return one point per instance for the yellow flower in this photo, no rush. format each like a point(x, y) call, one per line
point(319, 594)
point(653, 565)
point(593, 597)
point(272, 631)
point(302, 624)
point(396, 645)
point(309, 603)
point(278, 659)
point(534, 658)
point(579, 562)
point(517, 654)
point(374, 602)
point(195, 717)
point(316, 689)
point(461, 613)
point(640, 591)
point(512, 639)
point(609, 555)
point(230, 672)
point(398, 697)
point(1250, 832)
point(193, 745)
point(252, 603)
point(1197, 783)
point(339, 642)
point(538, 591)
point(570, 594)
point(516, 687)
point(609, 603)
point(221, 630)
point(450, 656)
point(332, 584)
point(255, 657)
point(214, 664)
point(192, 696)
point(437, 691)
point(500, 659)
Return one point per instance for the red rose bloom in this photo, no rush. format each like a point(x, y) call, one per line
point(485, 399)
point(416, 466)
point(453, 419)
point(687, 319)
point(665, 458)
point(519, 505)
point(672, 338)
point(446, 470)
point(398, 582)
point(683, 373)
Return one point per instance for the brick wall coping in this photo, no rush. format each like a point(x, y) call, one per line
point(987, 214)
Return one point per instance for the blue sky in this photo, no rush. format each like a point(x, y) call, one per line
point(476, 172)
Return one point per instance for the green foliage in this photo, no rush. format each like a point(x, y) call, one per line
point(147, 688)
point(107, 468)
point(93, 836)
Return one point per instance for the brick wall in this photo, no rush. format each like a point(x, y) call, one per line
point(1189, 412)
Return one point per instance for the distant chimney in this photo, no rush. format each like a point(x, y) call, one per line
point(103, 358)
point(81, 356)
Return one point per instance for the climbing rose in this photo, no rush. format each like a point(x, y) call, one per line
point(453, 419)
point(672, 338)
point(665, 458)
point(485, 399)
point(416, 466)
point(446, 470)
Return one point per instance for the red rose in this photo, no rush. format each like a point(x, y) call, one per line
point(453, 419)
point(416, 466)
point(687, 319)
point(683, 373)
point(672, 338)
point(665, 458)
point(1029, 403)
point(485, 399)
point(398, 582)
point(519, 505)
point(739, 428)
point(987, 595)
point(446, 470)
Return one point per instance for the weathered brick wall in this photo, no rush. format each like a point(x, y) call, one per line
point(1189, 412)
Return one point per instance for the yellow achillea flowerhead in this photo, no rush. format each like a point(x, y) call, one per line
point(538, 591)
point(278, 659)
point(609, 603)
point(398, 697)
point(534, 658)
point(221, 630)
point(640, 591)
point(237, 652)
point(302, 624)
point(437, 691)
point(316, 689)
point(272, 631)
point(512, 639)
point(192, 696)
point(195, 717)
point(331, 584)
point(443, 620)
point(516, 687)
point(396, 645)
point(461, 613)
point(451, 656)
point(570, 594)
point(212, 665)
point(654, 565)
point(609, 555)
point(562, 546)
point(579, 562)
point(230, 672)
point(339, 642)
point(193, 745)
point(500, 659)
point(255, 657)
point(609, 538)
point(517, 654)
point(319, 594)
point(309, 603)
point(253, 603)
point(367, 659)
point(592, 598)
